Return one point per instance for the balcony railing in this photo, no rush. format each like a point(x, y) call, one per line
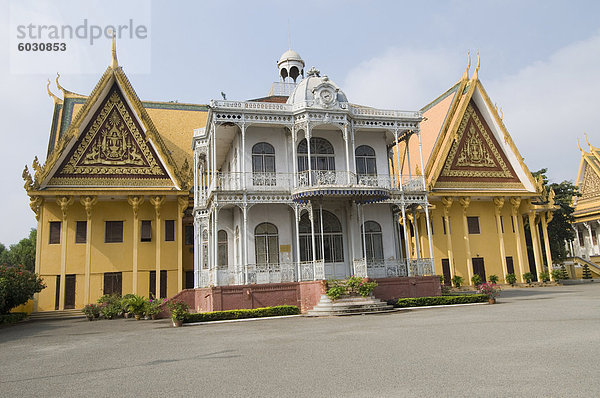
point(311, 271)
point(284, 182)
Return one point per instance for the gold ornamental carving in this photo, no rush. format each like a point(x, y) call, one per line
point(591, 184)
point(479, 151)
point(35, 202)
point(88, 203)
point(113, 145)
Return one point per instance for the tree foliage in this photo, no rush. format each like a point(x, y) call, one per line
point(17, 286)
point(559, 228)
point(22, 253)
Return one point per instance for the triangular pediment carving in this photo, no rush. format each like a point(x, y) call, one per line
point(590, 186)
point(112, 150)
point(475, 155)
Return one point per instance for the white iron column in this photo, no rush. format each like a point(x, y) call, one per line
point(399, 167)
point(322, 236)
point(406, 241)
point(297, 240)
point(408, 156)
point(294, 159)
point(216, 245)
point(416, 232)
point(307, 135)
point(348, 179)
point(362, 231)
point(312, 236)
point(197, 250)
point(245, 241)
point(243, 156)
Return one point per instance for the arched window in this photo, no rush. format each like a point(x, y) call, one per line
point(321, 155)
point(373, 241)
point(332, 238)
point(222, 248)
point(266, 243)
point(263, 164)
point(365, 160)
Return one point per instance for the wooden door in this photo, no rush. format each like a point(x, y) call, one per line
point(163, 284)
point(189, 279)
point(446, 271)
point(57, 294)
point(69, 291)
point(479, 268)
point(510, 267)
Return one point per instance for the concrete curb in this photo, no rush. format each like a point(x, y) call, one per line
point(266, 318)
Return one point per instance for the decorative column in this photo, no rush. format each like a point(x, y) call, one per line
point(399, 167)
point(245, 240)
point(243, 156)
point(498, 205)
point(465, 201)
point(546, 218)
point(182, 204)
point(348, 179)
point(135, 202)
point(297, 239)
point(516, 203)
point(88, 203)
point(215, 244)
point(64, 202)
point(408, 157)
point(197, 249)
point(447, 202)
point(406, 237)
point(157, 202)
point(353, 149)
point(294, 158)
point(312, 234)
point(416, 233)
point(36, 204)
point(307, 136)
point(590, 242)
point(539, 266)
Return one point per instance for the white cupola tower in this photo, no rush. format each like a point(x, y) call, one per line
point(290, 65)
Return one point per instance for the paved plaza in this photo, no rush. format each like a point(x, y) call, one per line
point(536, 342)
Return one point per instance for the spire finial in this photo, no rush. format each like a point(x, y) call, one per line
point(114, 63)
point(586, 140)
point(466, 74)
point(476, 74)
point(51, 94)
point(582, 151)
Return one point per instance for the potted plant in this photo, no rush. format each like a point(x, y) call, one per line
point(457, 280)
point(136, 305)
point(545, 277)
point(493, 279)
point(125, 304)
point(528, 276)
point(152, 308)
point(91, 311)
point(491, 290)
point(511, 279)
point(179, 310)
point(476, 280)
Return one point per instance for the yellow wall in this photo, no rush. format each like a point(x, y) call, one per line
point(108, 257)
point(485, 245)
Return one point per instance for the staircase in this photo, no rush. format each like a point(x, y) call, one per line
point(64, 314)
point(594, 268)
point(349, 305)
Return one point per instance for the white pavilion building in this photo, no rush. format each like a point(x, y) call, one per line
point(302, 185)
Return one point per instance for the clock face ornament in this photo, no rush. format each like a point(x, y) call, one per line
point(326, 97)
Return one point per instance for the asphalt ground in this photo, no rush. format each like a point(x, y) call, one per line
point(536, 342)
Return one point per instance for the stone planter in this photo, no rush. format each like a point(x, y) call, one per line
point(492, 300)
point(138, 317)
point(177, 323)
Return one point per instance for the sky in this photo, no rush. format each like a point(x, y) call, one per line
point(540, 62)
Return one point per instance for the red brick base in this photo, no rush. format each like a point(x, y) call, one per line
point(302, 294)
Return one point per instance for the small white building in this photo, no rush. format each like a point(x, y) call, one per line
point(301, 185)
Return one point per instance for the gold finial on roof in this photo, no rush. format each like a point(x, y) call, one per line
point(587, 142)
point(579, 146)
point(51, 94)
point(466, 74)
point(114, 63)
point(476, 74)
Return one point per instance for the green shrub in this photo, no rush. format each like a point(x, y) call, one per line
point(136, 305)
point(91, 310)
point(110, 306)
point(511, 278)
point(476, 280)
point(441, 300)
point(559, 273)
point(528, 276)
point(544, 277)
point(457, 280)
point(12, 317)
point(242, 314)
point(125, 302)
point(179, 309)
point(493, 279)
point(335, 292)
point(17, 286)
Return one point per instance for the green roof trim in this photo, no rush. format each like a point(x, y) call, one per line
point(56, 114)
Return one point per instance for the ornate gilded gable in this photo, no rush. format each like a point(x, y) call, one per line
point(590, 186)
point(476, 156)
point(112, 151)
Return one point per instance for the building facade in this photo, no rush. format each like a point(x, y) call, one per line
point(302, 187)
point(111, 197)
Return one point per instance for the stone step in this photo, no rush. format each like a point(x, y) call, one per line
point(72, 313)
point(349, 306)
